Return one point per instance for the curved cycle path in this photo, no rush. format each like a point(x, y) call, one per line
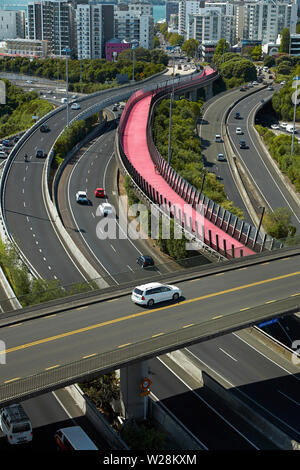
point(136, 148)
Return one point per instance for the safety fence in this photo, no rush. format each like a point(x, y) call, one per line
point(246, 235)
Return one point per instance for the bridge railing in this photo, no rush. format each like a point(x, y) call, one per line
point(238, 229)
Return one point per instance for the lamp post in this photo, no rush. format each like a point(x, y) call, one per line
point(67, 50)
point(295, 106)
point(170, 124)
point(259, 225)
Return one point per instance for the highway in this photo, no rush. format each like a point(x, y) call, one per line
point(27, 218)
point(84, 225)
point(275, 193)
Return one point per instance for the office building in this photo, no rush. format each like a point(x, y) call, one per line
point(12, 24)
point(53, 21)
point(94, 26)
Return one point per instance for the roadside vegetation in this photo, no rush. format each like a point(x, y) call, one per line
point(28, 290)
point(90, 75)
point(186, 149)
point(16, 114)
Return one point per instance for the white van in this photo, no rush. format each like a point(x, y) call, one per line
point(290, 128)
point(218, 138)
point(63, 100)
point(15, 424)
point(73, 438)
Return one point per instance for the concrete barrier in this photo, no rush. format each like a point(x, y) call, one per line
point(96, 418)
point(235, 403)
point(181, 436)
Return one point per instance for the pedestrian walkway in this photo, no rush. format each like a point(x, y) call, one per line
point(136, 149)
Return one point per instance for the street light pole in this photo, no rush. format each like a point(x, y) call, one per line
point(294, 121)
point(170, 124)
point(259, 225)
point(67, 50)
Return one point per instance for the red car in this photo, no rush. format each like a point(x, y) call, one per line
point(99, 192)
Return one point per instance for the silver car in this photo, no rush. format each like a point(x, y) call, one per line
point(154, 292)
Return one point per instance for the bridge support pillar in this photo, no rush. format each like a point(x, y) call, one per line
point(100, 115)
point(192, 95)
point(133, 405)
point(208, 92)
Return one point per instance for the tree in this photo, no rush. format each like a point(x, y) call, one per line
point(285, 40)
point(190, 47)
point(256, 53)
point(269, 61)
point(176, 40)
point(278, 223)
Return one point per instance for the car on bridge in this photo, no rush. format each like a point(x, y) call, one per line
point(75, 106)
point(81, 197)
point(144, 261)
point(40, 153)
point(243, 144)
point(238, 131)
point(44, 128)
point(99, 192)
point(237, 115)
point(154, 292)
point(221, 157)
point(105, 210)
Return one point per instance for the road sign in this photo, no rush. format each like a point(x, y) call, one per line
point(268, 322)
point(145, 384)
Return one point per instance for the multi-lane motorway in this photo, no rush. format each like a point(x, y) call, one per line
point(202, 287)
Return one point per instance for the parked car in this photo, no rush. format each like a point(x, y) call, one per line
point(75, 106)
point(154, 292)
point(40, 153)
point(283, 125)
point(81, 197)
point(7, 143)
point(3, 155)
point(99, 192)
point(275, 126)
point(144, 261)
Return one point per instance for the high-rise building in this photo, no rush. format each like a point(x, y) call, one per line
point(12, 24)
point(185, 9)
point(95, 26)
point(171, 9)
point(135, 28)
point(54, 21)
point(263, 20)
point(212, 23)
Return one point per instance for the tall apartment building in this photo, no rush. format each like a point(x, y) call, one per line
point(12, 24)
point(171, 9)
point(133, 27)
point(185, 9)
point(94, 26)
point(212, 24)
point(263, 20)
point(141, 8)
point(53, 21)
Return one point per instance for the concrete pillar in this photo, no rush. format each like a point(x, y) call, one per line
point(132, 403)
point(208, 92)
point(100, 114)
point(193, 95)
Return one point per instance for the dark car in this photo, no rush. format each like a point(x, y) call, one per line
point(243, 144)
point(16, 139)
point(237, 116)
point(44, 128)
point(145, 261)
point(7, 143)
point(40, 154)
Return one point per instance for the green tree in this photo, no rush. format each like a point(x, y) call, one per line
point(285, 40)
point(190, 47)
point(256, 53)
point(278, 223)
point(269, 61)
point(176, 39)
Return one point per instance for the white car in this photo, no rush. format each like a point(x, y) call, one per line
point(81, 197)
point(74, 97)
point(75, 106)
point(283, 125)
point(255, 83)
point(221, 157)
point(105, 209)
point(239, 131)
point(3, 154)
point(275, 127)
point(283, 82)
point(154, 292)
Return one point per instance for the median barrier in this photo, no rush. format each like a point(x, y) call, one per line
point(234, 402)
point(96, 418)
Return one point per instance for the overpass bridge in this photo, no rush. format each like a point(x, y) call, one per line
point(63, 342)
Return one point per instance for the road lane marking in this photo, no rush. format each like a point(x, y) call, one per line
point(227, 354)
point(123, 345)
point(146, 312)
point(270, 301)
point(82, 308)
point(217, 316)
point(17, 324)
point(187, 326)
point(52, 367)
point(245, 308)
point(157, 334)
point(289, 398)
point(12, 380)
point(89, 355)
